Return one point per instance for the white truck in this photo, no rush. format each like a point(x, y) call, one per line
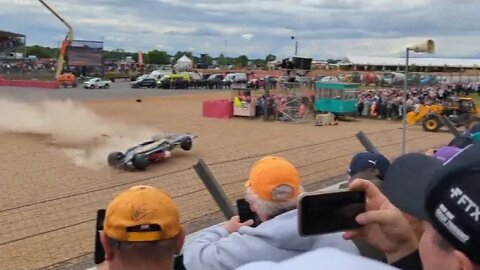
point(236, 78)
point(96, 83)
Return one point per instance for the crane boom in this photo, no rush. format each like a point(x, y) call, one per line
point(65, 43)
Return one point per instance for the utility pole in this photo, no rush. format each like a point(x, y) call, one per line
point(404, 101)
point(296, 45)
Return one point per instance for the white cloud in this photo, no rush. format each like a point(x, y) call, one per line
point(248, 36)
point(323, 28)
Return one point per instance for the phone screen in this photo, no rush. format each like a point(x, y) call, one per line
point(321, 213)
point(99, 255)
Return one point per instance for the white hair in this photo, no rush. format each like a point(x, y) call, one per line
point(281, 203)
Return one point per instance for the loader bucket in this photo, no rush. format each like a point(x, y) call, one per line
point(411, 118)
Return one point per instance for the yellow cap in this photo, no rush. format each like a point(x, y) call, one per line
point(271, 172)
point(141, 214)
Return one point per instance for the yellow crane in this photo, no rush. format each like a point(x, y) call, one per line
point(68, 79)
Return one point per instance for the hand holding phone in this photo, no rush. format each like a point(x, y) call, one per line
point(386, 226)
point(245, 213)
point(328, 212)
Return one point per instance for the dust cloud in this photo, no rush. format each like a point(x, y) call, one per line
point(84, 136)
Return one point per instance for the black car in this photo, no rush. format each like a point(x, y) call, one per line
point(147, 82)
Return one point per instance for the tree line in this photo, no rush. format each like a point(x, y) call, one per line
point(158, 57)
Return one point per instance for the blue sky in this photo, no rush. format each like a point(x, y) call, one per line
point(323, 28)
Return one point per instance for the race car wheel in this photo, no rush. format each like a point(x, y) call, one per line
point(140, 161)
point(186, 144)
point(92, 86)
point(115, 159)
point(106, 86)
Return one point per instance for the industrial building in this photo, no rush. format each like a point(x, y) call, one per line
point(361, 63)
point(9, 43)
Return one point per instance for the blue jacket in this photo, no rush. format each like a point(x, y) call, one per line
point(324, 258)
point(274, 240)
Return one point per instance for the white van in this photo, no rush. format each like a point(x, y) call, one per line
point(158, 74)
point(194, 75)
point(236, 77)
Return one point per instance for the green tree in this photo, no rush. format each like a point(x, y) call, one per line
point(241, 61)
point(158, 57)
point(258, 62)
point(42, 52)
point(135, 57)
point(194, 58)
point(222, 61)
point(231, 61)
point(208, 60)
point(270, 58)
point(119, 55)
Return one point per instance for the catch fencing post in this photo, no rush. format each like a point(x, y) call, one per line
point(366, 142)
point(450, 126)
point(202, 170)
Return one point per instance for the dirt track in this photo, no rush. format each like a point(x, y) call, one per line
point(47, 204)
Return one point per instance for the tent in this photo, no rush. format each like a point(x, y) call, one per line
point(183, 63)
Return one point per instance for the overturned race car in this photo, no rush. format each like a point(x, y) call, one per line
point(156, 150)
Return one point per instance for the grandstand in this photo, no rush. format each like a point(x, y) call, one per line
point(9, 42)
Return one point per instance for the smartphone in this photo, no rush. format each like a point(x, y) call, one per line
point(178, 263)
point(329, 212)
point(245, 213)
point(99, 255)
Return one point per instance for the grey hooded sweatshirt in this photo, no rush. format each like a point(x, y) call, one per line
point(274, 240)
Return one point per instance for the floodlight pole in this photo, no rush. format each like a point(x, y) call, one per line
point(404, 113)
point(296, 44)
point(428, 47)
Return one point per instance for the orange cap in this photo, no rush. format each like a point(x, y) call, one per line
point(271, 172)
point(141, 214)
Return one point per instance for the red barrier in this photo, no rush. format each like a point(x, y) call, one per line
point(34, 84)
point(218, 108)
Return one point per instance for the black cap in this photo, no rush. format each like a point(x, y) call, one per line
point(447, 196)
point(405, 186)
point(368, 160)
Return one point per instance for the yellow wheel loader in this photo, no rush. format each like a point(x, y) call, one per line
point(460, 111)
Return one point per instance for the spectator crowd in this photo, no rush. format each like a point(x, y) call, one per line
point(26, 66)
point(11, 66)
point(388, 103)
point(422, 211)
